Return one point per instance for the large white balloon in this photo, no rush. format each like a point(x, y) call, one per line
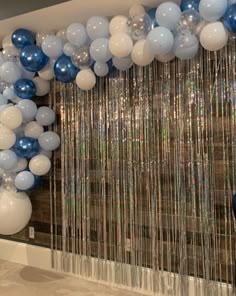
point(11, 117)
point(15, 211)
point(214, 36)
point(120, 45)
point(42, 86)
point(141, 53)
point(7, 138)
point(76, 34)
point(168, 15)
point(10, 72)
point(40, 165)
point(52, 46)
point(118, 24)
point(212, 10)
point(33, 130)
point(85, 79)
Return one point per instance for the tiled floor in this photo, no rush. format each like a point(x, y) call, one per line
point(17, 280)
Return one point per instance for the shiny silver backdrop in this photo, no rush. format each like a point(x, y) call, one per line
point(141, 191)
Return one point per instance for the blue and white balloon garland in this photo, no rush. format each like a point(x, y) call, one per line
point(78, 54)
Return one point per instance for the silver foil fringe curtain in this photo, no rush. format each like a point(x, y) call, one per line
point(141, 191)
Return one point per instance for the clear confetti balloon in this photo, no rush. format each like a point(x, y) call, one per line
point(81, 58)
point(139, 26)
point(191, 20)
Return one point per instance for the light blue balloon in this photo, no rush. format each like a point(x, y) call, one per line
point(99, 50)
point(185, 45)
point(97, 27)
point(28, 109)
point(49, 141)
point(101, 69)
point(212, 10)
point(122, 64)
point(160, 40)
point(45, 116)
point(9, 94)
point(24, 180)
point(8, 159)
point(167, 15)
point(3, 100)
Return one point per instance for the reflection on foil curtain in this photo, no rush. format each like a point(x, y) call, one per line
point(145, 177)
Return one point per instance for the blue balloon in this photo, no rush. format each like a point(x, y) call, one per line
point(152, 13)
point(33, 59)
point(26, 147)
point(25, 88)
point(22, 37)
point(230, 18)
point(189, 4)
point(65, 71)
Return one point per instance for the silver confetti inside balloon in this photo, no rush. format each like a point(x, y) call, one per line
point(139, 26)
point(81, 58)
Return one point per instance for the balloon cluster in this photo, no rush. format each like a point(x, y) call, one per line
point(81, 52)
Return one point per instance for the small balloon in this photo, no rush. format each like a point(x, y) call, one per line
point(160, 40)
point(28, 109)
point(45, 116)
point(49, 141)
point(101, 69)
point(8, 159)
point(21, 165)
point(85, 79)
point(33, 59)
point(26, 147)
point(33, 130)
point(69, 49)
point(11, 117)
point(24, 180)
point(65, 70)
point(8, 94)
point(22, 37)
point(139, 26)
point(40, 165)
point(25, 89)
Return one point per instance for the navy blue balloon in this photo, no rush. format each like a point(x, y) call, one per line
point(230, 18)
point(25, 88)
point(152, 13)
point(26, 147)
point(189, 4)
point(22, 37)
point(64, 69)
point(33, 59)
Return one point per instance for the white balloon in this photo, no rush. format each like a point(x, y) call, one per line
point(21, 165)
point(101, 69)
point(160, 40)
point(120, 45)
point(24, 180)
point(40, 165)
point(7, 138)
point(6, 42)
point(136, 9)
point(118, 24)
point(49, 141)
point(214, 36)
point(33, 130)
point(52, 46)
point(11, 117)
point(8, 159)
point(212, 10)
point(45, 116)
point(42, 86)
point(141, 53)
point(15, 211)
point(85, 79)
point(10, 72)
point(9, 94)
point(168, 15)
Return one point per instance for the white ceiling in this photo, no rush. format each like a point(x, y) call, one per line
point(60, 16)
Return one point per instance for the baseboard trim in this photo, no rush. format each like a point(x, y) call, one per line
point(41, 257)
